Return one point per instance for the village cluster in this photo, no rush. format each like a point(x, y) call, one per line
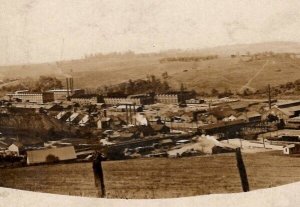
point(70, 124)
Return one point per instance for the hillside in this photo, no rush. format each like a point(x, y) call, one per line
point(44, 126)
point(203, 75)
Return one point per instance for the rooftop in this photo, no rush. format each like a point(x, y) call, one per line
point(222, 124)
point(84, 95)
point(284, 104)
point(63, 90)
point(138, 96)
point(175, 93)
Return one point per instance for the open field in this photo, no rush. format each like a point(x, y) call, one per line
point(157, 177)
point(67, 179)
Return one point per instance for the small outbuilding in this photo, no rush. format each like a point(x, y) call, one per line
point(291, 149)
point(104, 123)
point(16, 148)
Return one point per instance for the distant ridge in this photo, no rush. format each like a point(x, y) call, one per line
point(224, 72)
point(274, 46)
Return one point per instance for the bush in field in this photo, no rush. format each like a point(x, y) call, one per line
point(52, 159)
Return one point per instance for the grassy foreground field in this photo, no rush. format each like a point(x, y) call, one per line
point(157, 178)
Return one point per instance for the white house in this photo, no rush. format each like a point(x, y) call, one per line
point(104, 123)
point(16, 148)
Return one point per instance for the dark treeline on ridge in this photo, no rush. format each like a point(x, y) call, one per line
point(151, 84)
point(44, 83)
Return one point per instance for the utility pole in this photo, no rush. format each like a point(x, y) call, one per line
point(126, 106)
point(134, 111)
point(269, 95)
point(98, 174)
point(130, 114)
point(209, 109)
point(242, 170)
point(68, 94)
point(182, 99)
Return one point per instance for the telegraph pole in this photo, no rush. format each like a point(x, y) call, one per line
point(134, 111)
point(269, 95)
point(126, 106)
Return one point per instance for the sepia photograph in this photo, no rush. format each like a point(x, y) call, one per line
point(150, 103)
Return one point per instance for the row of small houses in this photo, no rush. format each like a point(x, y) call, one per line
point(73, 118)
point(288, 111)
point(215, 115)
point(77, 118)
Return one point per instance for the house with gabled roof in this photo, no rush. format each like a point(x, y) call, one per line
point(16, 148)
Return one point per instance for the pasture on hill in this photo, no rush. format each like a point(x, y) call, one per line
point(230, 69)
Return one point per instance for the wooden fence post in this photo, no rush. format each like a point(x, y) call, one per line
point(98, 174)
point(242, 170)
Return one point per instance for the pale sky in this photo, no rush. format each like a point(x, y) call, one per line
point(34, 30)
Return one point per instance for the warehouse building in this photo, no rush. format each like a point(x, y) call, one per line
point(174, 97)
point(138, 99)
point(86, 99)
point(62, 94)
point(26, 96)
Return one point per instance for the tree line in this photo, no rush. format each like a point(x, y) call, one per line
point(188, 59)
point(151, 84)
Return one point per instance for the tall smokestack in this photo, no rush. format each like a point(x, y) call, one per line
point(70, 79)
point(72, 85)
point(67, 79)
point(134, 111)
point(269, 95)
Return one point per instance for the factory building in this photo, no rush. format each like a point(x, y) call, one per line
point(139, 99)
point(62, 94)
point(174, 97)
point(26, 96)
